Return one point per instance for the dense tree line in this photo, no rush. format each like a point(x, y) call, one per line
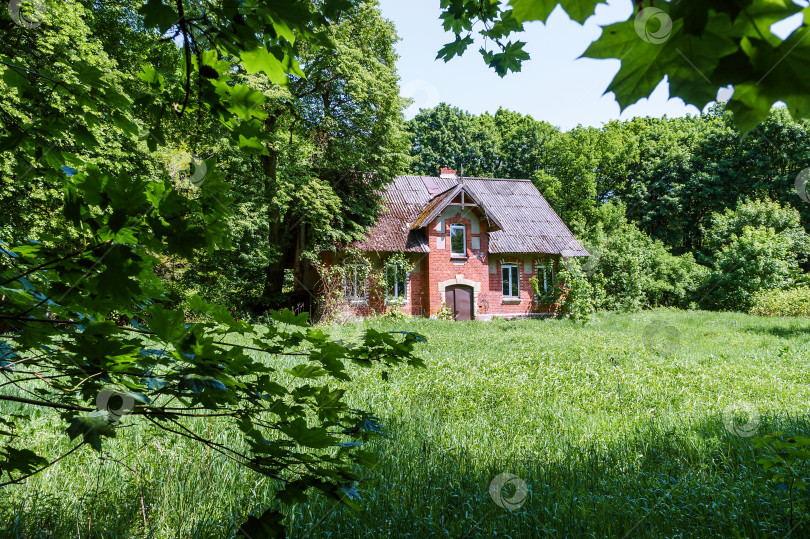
point(648, 195)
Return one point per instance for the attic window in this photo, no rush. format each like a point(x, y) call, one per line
point(458, 240)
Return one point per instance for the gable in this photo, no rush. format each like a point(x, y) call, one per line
point(458, 196)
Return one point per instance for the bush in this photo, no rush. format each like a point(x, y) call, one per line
point(635, 271)
point(795, 302)
point(759, 259)
point(755, 248)
point(572, 295)
point(444, 312)
point(576, 292)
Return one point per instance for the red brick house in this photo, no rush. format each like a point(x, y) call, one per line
point(473, 243)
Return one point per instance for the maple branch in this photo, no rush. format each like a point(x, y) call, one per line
point(24, 477)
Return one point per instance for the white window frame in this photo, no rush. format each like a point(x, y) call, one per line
point(396, 294)
point(354, 291)
point(509, 266)
point(546, 280)
point(463, 228)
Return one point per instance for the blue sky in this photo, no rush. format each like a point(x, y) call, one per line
point(553, 86)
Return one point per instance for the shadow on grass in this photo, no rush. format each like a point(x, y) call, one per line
point(792, 330)
point(704, 482)
point(694, 479)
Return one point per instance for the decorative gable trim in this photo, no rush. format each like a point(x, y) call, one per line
point(436, 206)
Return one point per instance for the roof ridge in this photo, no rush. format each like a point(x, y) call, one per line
point(497, 179)
point(466, 178)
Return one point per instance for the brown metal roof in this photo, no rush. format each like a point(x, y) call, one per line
point(527, 222)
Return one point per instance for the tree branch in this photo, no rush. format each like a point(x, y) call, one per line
point(41, 469)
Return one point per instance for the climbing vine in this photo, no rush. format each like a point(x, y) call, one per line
point(571, 296)
point(352, 280)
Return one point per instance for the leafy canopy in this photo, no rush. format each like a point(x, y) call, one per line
point(88, 332)
point(698, 46)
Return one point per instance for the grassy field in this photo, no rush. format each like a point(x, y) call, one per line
point(627, 426)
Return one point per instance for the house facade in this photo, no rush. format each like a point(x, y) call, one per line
point(472, 245)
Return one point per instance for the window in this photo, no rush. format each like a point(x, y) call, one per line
point(511, 282)
point(354, 283)
point(397, 282)
point(458, 240)
point(545, 276)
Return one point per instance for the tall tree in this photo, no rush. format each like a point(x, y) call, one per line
point(85, 318)
point(446, 136)
point(504, 145)
point(345, 140)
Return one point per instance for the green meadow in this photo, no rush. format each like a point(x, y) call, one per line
point(633, 425)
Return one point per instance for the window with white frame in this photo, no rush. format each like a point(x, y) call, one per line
point(397, 282)
point(354, 283)
point(545, 276)
point(458, 239)
point(511, 280)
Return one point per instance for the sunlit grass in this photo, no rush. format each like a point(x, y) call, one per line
point(615, 427)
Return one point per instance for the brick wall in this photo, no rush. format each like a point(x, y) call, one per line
point(476, 267)
point(423, 295)
point(443, 267)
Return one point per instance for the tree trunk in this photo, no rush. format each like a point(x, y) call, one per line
point(272, 292)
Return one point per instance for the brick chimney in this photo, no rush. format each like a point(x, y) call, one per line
point(448, 173)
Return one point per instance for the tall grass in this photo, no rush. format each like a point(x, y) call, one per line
point(617, 428)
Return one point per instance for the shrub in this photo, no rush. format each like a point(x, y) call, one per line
point(394, 311)
point(795, 302)
point(784, 220)
point(444, 312)
point(759, 259)
point(755, 248)
point(572, 295)
point(635, 271)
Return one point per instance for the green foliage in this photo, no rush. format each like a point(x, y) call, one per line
point(570, 295)
point(635, 271)
point(92, 302)
point(757, 247)
point(725, 43)
point(786, 464)
point(575, 294)
point(503, 145)
point(444, 312)
point(791, 302)
point(395, 309)
point(760, 213)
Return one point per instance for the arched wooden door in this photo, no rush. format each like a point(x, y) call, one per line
point(459, 299)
